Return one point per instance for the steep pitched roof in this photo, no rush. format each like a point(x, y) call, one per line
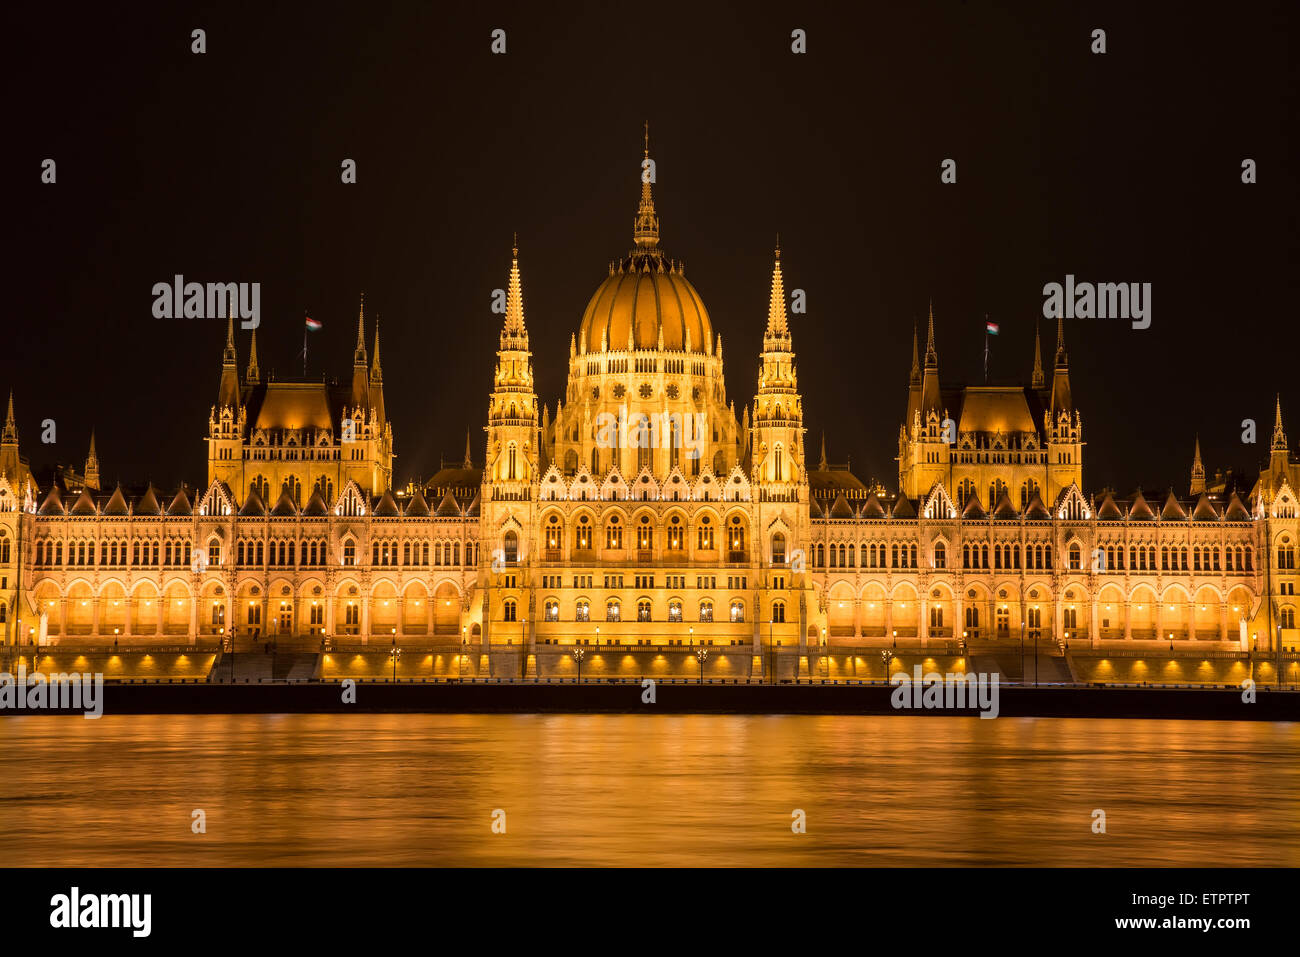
point(1236, 512)
point(1108, 511)
point(1204, 511)
point(180, 504)
point(840, 508)
point(1004, 510)
point(903, 508)
point(448, 507)
point(417, 507)
point(387, 506)
point(1036, 510)
point(1172, 510)
point(814, 509)
point(147, 504)
point(117, 503)
point(53, 504)
point(474, 506)
point(1140, 511)
point(872, 507)
point(84, 505)
point(285, 507)
point(253, 505)
point(973, 508)
point(316, 505)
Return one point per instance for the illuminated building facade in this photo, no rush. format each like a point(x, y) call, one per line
point(644, 522)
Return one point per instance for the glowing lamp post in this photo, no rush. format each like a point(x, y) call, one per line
point(394, 654)
point(885, 657)
point(578, 654)
point(701, 653)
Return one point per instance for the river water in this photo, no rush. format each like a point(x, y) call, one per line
point(294, 790)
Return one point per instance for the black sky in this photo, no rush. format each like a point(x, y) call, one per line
point(225, 167)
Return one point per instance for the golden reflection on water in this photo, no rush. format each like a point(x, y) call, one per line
point(294, 790)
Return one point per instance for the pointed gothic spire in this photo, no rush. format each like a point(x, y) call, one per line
point(645, 232)
point(915, 378)
point(376, 371)
point(469, 462)
point(514, 324)
point(822, 462)
point(1037, 381)
point(92, 465)
point(228, 392)
point(1198, 471)
point(777, 325)
point(931, 354)
point(1279, 437)
point(253, 374)
point(359, 355)
point(9, 418)
point(1062, 358)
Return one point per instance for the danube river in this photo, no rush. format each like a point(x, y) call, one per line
point(634, 790)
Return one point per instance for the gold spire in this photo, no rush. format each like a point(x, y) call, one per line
point(916, 361)
point(1061, 357)
point(228, 356)
point(1279, 437)
point(253, 374)
point(514, 325)
point(1037, 381)
point(645, 232)
point(469, 463)
point(931, 354)
point(777, 326)
point(376, 372)
point(359, 356)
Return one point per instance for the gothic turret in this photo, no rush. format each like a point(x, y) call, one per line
point(92, 466)
point(228, 392)
point(778, 454)
point(512, 406)
point(1198, 471)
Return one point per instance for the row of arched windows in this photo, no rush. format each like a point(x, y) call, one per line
point(644, 606)
point(867, 555)
point(113, 553)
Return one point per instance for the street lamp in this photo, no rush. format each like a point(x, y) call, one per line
point(395, 654)
point(701, 653)
point(886, 656)
point(464, 650)
point(823, 653)
point(579, 653)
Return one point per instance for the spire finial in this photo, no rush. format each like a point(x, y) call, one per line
point(931, 354)
point(1279, 437)
point(778, 245)
point(254, 373)
point(777, 325)
point(916, 358)
point(375, 370)
point(469, 463)
point(359, 356)
point(645, 231)
point(1037, 381)
point(514, 325)
point(822, 464)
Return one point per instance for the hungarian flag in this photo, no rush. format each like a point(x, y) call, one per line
point(313, 324)
point(991, 328)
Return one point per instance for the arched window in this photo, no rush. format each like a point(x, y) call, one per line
point(584, 533)
point(613, 612)
point(511, 543)
point(736, 534)
point(642, 610)
point(704, 534)
point(778, 549)
point(508, 610)
point(552, 611)
point(1075, 557)
point(645, 534)
point(214, 552)
point(582, 610)
point(778, 467)
point(778, 612)
point(737, 610)
point(940, 555)
point(1288, 617)
point(676, 534)
point(349, 552)
point(512, 454)
point(674, 610)
point(706, 610)
point(614, 533)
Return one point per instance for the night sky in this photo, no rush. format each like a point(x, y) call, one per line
point(1123, 167)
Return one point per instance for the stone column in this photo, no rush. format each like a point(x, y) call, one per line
point(126, 624)
point(365, 619)
point(1191, 620)
point(923, 626)
point(194, 621)
point(94, 617)
point(1094, 635)
point(1223, 621)
point(857, 618)
point(1128, 620)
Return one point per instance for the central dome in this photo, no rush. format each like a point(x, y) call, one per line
point(650, 301)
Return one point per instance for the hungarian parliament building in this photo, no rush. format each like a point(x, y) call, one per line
point(642, 519)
